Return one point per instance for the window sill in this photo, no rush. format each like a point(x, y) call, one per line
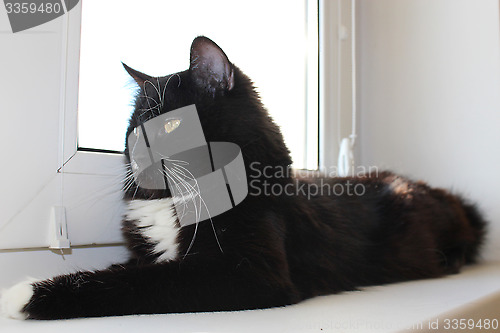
point(392, 308)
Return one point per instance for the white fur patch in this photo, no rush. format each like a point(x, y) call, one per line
point(157, 220)
point(399, 186)
point(14, 299)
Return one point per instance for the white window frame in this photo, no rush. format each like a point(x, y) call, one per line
point(336, 88)
point(85, 173)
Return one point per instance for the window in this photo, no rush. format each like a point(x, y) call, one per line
point(274, 42)
point(87, 184)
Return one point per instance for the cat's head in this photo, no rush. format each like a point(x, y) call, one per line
point(228, 108)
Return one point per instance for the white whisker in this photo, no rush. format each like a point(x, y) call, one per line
point(196, 191)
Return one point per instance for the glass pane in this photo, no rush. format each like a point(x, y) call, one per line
point(268, 40)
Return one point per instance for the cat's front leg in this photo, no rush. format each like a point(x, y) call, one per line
point(13, 300)
point(43, 299)
point(159, 288)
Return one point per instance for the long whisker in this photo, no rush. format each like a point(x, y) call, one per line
point(195, 189)
point(180, 181)
point(158, 92)
point(178, 187)
point(166, 84)
point(153, 85)
point(194, 193)
point(185, 203)
point(202, 201)
point(146, 96)
point(176, 161)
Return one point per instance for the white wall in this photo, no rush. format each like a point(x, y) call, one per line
point(429, 95)
point(30, 73)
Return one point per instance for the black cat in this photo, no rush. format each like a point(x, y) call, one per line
point(271, 249)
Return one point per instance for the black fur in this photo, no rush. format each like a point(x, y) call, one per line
point(274, 250)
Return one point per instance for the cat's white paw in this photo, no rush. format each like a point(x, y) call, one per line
point(14, 299)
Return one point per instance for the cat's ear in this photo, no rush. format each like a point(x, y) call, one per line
point(209, 67)
point(139, 77)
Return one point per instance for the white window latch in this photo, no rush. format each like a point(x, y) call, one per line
point(58, 229)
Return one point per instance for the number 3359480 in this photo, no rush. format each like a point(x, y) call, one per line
point(32, 8)
point(464, 324)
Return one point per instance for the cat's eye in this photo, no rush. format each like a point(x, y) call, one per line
point(171, 125)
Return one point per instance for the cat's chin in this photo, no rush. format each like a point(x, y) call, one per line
point(14, 299)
